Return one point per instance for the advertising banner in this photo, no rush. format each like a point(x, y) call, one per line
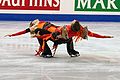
point(30, 4)
point(60, 10)
point(97, 5)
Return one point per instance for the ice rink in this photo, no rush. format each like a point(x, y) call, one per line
point(99, 60)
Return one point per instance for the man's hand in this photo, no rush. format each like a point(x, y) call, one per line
point(56, 35)
point(110, 36)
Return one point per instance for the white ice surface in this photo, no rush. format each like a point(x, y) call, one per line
point(99, 58)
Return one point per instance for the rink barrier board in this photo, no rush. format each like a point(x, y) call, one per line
point(60, 17)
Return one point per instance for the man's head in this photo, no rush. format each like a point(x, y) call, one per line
point(75, 26)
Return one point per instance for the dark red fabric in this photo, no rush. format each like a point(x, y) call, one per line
point(91, 34)
point(19, 33)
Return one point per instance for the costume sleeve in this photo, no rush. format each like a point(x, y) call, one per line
point(91, 34)
point(21, 32)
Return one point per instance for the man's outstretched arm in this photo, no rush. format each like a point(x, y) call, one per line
point(91, 34)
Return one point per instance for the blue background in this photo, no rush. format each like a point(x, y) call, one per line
point(60, 17)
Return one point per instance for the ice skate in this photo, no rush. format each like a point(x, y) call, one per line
point(74, 53)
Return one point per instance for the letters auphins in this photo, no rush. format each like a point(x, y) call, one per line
point(41, 3)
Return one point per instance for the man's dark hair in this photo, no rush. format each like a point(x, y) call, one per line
point(75, 26)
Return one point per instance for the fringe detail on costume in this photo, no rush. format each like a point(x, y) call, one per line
point(78, 37)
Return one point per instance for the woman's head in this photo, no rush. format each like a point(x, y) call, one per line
point(33, 26)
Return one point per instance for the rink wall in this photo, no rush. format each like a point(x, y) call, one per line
point(60, 10)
